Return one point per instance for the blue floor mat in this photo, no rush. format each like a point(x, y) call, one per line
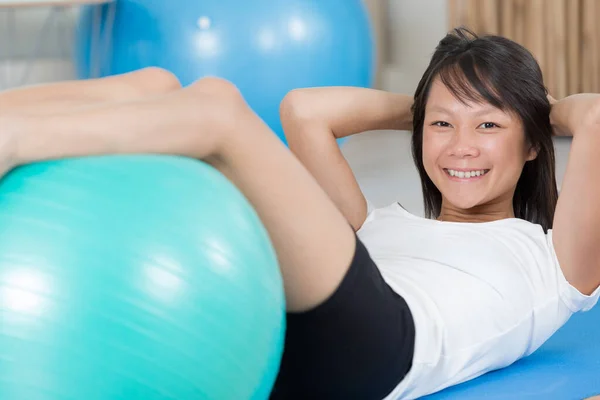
point(566, 367)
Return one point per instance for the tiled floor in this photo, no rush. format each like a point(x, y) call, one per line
point(384, 168)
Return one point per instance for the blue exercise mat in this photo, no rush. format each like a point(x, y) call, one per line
point(566, 367)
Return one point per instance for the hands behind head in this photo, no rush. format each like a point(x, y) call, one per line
point(575, 113)
point(556, 130)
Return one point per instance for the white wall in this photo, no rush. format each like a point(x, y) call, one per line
point(414, 27)
point(35, 45)
point(21, 29)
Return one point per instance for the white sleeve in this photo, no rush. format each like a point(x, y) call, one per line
point(370, 208)
point(573, 298)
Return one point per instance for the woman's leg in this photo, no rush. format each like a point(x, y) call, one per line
point(314, 243)
point(358, 344)
point(55, 97)
point(342, 316)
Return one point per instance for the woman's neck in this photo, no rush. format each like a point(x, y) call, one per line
point(487, 213)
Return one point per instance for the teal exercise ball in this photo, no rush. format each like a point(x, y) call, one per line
point(135, 277)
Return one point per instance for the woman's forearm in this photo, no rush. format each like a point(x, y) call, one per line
point(313, 118)
point(576, 114)
point(576, 224)
point(349, 110)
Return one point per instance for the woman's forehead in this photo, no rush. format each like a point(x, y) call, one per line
point(443, 100)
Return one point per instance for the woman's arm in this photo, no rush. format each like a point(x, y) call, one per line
point(314, 118)
point(576, 228)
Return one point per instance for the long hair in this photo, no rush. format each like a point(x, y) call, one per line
point(503, 73)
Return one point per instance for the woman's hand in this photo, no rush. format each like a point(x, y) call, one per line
point(574, 114)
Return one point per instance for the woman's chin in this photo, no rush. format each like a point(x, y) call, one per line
point(462, 202)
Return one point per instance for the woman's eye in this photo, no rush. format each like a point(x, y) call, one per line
point(441, 124)
point(488, 125)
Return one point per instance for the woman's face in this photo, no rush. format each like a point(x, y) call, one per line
point(474, 153)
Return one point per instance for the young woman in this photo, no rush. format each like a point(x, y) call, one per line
point(381, 303)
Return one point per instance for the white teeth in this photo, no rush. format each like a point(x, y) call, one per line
point(466, 175)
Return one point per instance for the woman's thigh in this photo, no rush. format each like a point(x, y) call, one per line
point(359, 344)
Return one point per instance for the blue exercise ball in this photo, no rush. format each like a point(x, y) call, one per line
point(265, 47)
point(135, 278)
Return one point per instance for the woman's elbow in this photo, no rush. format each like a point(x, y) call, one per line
point(296, 106)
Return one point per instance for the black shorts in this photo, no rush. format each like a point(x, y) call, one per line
point(358, 344)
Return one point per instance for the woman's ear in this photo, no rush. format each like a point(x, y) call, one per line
point(532, 153)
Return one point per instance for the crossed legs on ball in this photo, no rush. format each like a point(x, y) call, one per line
point(208, 120)
point(57, 97)
point(314, 241)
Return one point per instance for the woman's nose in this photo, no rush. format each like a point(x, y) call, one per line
point(464, 144)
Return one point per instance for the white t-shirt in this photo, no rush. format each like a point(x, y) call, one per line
point(483, 295)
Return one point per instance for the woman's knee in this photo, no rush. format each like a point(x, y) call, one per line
point(225, 99)
point(161, 79)
point(153, 80)
point(212, 101)
point(219, 88)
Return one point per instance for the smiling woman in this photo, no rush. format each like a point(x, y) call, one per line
point(403, 306)
point(474, 155)
point(471, 115)
point(485, 286)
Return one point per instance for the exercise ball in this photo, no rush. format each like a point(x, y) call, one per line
point(265, 47)
point(134, 278)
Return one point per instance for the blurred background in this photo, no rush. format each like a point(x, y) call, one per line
point(406, 32)
point(42, 41)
